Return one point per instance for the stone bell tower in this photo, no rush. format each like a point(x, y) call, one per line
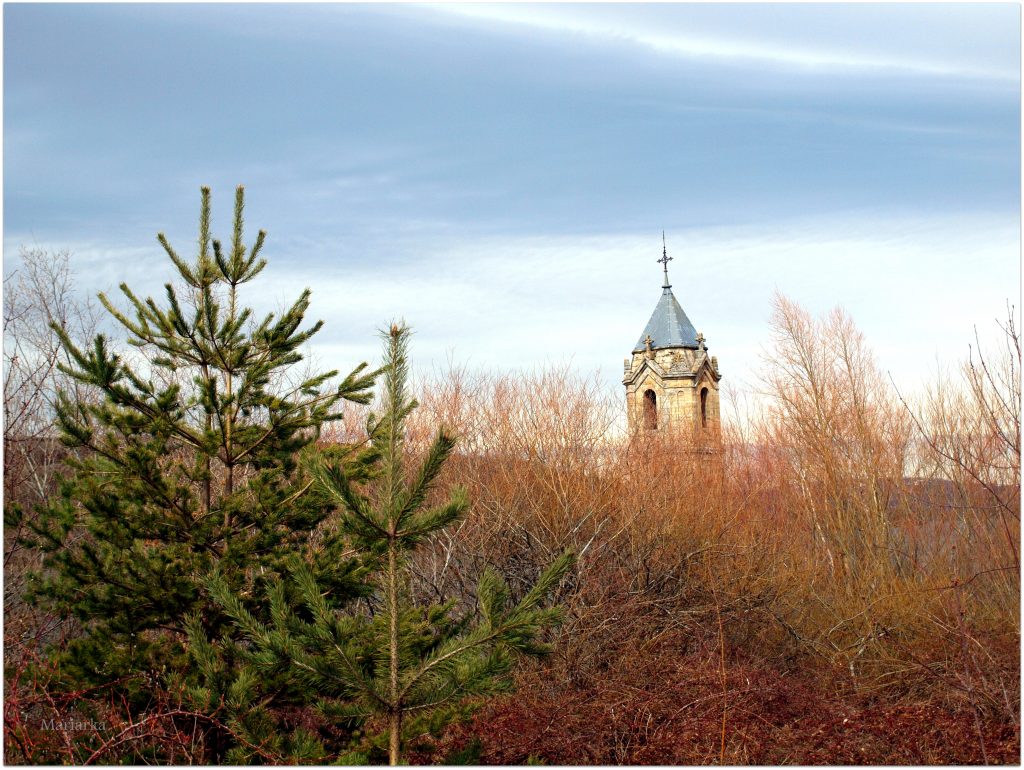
point(671, 382)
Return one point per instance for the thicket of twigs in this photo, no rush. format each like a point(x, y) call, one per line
point(839, 584)
point(851, 557)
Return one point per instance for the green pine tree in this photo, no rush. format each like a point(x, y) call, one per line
point(410, 665)
point(188, 464)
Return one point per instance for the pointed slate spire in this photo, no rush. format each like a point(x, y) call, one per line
point(669, 327)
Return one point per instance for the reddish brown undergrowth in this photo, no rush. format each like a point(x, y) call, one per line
point(663, 706)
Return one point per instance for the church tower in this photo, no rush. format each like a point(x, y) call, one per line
point(671, 382)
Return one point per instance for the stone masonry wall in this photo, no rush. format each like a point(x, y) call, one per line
point(678, 398)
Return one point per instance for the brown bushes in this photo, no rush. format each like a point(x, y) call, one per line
point(840, 532)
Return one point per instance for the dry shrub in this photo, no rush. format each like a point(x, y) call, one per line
point(838, 531)
point(903, 522)
point(838, 441)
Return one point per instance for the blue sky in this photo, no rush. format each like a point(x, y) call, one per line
point(500, 175)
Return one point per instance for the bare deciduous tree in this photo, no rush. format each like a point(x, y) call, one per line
point(39, 292)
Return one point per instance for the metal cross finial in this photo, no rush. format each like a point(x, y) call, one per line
point(665, 259)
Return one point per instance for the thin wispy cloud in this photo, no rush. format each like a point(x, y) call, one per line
point(611, 25)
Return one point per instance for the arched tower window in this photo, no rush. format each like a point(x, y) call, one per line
point(650, 410)
point(704, 407)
